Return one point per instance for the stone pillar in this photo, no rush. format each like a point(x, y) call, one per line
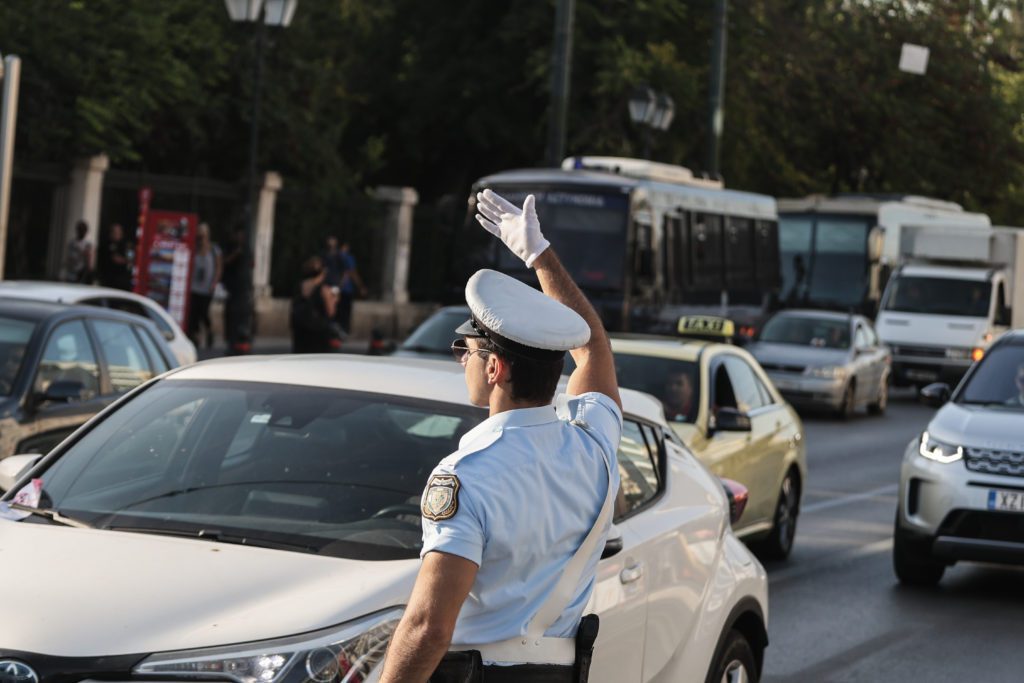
point(396, 241)
point(264, 241)
point(84, 197)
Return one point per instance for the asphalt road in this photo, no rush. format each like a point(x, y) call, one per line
point(837, 613)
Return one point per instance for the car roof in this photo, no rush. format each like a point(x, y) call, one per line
point(668, 347)
point(59, 291)
point(37, 310)
point(427, 379)
point(816, 313)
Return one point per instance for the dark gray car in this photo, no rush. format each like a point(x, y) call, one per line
point(825, 360)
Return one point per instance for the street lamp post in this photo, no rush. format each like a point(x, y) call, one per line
point(273, 13)
point(651, 111)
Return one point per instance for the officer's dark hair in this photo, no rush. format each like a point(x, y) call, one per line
point(532, 380)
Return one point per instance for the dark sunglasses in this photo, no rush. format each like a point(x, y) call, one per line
point(462, 352)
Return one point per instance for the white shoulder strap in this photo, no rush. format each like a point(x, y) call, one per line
point(567, 584)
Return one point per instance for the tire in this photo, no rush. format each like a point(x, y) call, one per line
point(779, 542)
point(735, 663)
point(849, 404)
point(911, 562)
point(879, 406)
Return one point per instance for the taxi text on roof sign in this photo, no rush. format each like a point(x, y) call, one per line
point(706, 325)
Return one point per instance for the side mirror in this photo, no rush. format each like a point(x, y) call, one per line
point(64, 391)
point(738, 496)
point(936, 394)
point(12, 467)
point(731, 420)
point(613, 545)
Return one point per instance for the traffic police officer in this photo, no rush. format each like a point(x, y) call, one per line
point(514, 522)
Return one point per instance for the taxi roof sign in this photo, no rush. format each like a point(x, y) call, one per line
point(706, 326)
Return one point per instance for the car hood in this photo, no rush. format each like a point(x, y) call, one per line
point(978, 426)
point(795, 355)
point(89, 592)
point(895, 327)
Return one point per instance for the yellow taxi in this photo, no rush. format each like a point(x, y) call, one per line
point(723, 407)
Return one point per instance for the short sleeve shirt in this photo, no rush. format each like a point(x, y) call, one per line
point(517, 499)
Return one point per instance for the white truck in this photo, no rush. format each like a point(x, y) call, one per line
point(954, 292)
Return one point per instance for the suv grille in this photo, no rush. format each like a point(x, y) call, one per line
point(922, 351)
point(1007, 527)
point(990, 461)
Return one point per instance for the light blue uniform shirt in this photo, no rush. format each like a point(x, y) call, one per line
point(530, 484)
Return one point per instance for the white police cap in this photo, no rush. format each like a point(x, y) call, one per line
point(519, 319)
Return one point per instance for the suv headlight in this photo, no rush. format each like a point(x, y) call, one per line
point(938, 451)
point(341, 654)
point(827, 371)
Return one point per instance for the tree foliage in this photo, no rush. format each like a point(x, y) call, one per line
point(435, 94)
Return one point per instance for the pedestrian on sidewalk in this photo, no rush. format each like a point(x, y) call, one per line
point(115, 260)
point(350, 283)
point(206, 273)
point(313, 309)
point(78, 261)
point(237, 279)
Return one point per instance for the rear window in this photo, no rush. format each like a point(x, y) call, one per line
point(807, 331)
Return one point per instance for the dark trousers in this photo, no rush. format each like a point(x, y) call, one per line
point(343, 314)
point(238, 319)
point(465, 667)
point(198, 316)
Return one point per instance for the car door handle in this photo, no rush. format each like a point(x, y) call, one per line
point(632, 573)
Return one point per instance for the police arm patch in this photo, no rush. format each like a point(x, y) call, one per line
point(441, 499)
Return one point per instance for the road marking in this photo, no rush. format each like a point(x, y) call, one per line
point(876, 548)
point(887, 490)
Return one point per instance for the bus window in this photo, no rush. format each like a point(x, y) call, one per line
point(643, 252)
point(706, 262)
point(838, 274)
point(795, 233)
point(739, 254)
point(766, 249)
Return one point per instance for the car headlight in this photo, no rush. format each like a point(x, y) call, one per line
point(827, 371)
point(938, 451)
point(341, 654)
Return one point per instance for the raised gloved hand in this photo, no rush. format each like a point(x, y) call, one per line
point(518, 228)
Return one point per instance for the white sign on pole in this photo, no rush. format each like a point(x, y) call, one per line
point(914, 59)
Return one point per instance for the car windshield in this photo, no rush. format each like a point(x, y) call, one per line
point(824, 333)
point(939, 296)
point(998, 380)
point(14, 336)
point(327, 471)
point(437, 332)
point(673, 382)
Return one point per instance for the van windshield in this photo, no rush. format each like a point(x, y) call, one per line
point(938, 296)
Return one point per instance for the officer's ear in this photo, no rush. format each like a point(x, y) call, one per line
point(499, 370)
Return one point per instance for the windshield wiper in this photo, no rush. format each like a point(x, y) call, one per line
point(53, 515)
point(212, 534)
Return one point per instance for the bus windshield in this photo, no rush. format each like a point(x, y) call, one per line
point(587, 229)
point(824, 259)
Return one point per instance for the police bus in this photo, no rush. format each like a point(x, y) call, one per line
point(647, 242)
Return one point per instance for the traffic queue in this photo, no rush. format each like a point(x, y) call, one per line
point(352, 518)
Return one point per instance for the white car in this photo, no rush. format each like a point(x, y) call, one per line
point(71, 293)
point(962, 480)
point(259, 519)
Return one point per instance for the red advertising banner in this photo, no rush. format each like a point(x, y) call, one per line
point(164, 260)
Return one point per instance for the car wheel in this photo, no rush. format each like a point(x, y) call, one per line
point(846, 408)
point(736, 662)
point(779, 542)
point(911, 561)
point(879, 406)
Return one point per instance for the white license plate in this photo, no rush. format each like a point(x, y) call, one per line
point(1012, 501)
point(922, 374)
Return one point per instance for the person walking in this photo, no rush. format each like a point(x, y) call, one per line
point(206, 272)
point(115, 260)
point(350, 282)
point(515, 521)
point(312, 313)
point(237, 277)
point(78, 261)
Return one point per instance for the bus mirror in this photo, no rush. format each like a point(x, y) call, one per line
point(876, 244)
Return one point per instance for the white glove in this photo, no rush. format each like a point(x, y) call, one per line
point(518, 228)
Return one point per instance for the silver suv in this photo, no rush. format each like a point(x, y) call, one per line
point(962, 481)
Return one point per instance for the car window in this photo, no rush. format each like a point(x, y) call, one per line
point(998, 380)
point(673, 382)
point(126, 360)
point(436, 333)
point(745, 384)
point(155, 356)
point(638, 471)
point(14, 337)
point(807, 330)
point(722, 393)
point(69, 357)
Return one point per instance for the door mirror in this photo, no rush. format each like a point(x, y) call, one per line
point(936, 394)
point(738, 496)
point(12, 467)
point(613, 545)
point(64, 391)
point(730, 420)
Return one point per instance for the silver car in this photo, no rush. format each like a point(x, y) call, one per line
point(820, 359)
point(962, 480)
